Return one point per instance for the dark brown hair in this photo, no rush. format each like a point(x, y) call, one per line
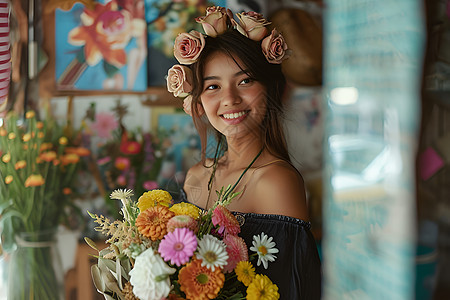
point(259, 69)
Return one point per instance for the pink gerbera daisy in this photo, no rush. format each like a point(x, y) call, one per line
point(105, 123)
point(178, 246)
point(237, 251)
point(226, 221)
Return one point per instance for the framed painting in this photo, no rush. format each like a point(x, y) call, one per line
point(165, 20)
point(101, 48)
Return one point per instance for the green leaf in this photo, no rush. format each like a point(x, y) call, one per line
point(80, 56)
point(12, 213)
point(97, 278)
point(91, 243)
point(110, 70)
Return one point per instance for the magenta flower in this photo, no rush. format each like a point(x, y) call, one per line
point(150, 185)
point(121, 180)
point(104, 125)
point(104, 160)
point(178, 246)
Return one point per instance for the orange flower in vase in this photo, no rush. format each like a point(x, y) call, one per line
point(34, 180)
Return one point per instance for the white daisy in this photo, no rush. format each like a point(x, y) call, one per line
point(122, 195)
point(212, 252)
point(265, 248)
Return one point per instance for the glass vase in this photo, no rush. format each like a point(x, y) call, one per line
point(35, 268)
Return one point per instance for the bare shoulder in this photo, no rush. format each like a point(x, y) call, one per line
point(279, 189)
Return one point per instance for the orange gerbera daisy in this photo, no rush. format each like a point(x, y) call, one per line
point(152, 222)
point(200, 283)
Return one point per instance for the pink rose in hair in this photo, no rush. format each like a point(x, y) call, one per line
point(252, 25)
point(187, 106)
point(275, 48)
point(216, 20)
point(179, 80)
point(188, 47)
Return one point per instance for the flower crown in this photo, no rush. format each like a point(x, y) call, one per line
point(188, 46)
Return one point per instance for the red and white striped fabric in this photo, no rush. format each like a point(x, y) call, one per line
point(5, 55)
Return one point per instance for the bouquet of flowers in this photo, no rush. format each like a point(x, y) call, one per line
point(37, 171)
point(161, 250)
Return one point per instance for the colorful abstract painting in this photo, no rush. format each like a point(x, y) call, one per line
point(166, 19)
point(104, 48)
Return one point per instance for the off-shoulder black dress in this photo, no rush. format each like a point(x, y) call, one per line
point(297, 268)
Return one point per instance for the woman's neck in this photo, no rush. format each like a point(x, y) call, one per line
point(241, 152)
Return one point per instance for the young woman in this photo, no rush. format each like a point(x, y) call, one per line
point(234, 84)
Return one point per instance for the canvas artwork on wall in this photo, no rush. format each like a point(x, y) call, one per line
point(165, 20)
point(101, 48)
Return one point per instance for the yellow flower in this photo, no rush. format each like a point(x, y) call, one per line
point(153, 198)
point(6, 158)
point(8, 179)
point(41, 134)
point(30, 114)
point(20, 164)
point(39, 125)
point(34, 180)
point(63, 140)
point(262, 288)
point(3, 132)
point(26, 137)
point(245, 272)
point(11, 135)
point(184, 208)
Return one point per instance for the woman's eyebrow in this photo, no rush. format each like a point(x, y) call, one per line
point(211, 78)
point(218, 77)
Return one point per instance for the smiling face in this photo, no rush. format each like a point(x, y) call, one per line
point(234, 103)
